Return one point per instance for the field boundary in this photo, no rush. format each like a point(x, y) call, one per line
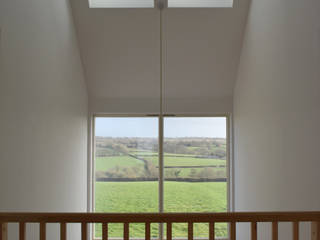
point(105, 179)
point(199, 166)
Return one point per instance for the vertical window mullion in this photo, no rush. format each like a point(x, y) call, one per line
point(161, 173)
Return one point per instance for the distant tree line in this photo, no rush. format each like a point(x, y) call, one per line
point(150, 171)
point(200, 147)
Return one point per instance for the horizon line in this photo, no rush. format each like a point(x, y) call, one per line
point(157, 137)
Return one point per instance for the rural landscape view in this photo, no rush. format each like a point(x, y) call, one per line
point(127, 173)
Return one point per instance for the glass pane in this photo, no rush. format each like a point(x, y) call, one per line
point(121, 3)
point(195, 153)
point(200, 3)
point(126, 169)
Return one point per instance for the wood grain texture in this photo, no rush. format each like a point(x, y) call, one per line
point(233, 231)
point(43, 231)
point(211, 231)
point(315, 230)
point(169, 218)
point(105, 231)
point(190, 231)
point(254, 234)
point(295, 230)
point(84, 231)
point(63, 231)
point(22, 231)
point(126, 231)
point(274, 230)
point(161, 217)
point(169, 231)
point(147, 231)
point(3, 231)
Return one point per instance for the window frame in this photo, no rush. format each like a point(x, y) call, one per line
point(91, 157)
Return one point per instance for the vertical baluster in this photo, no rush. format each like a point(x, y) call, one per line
point(63, 231)
point(254, 231)
point(126, 231)
point(147, 231)
point(211, 231)
point(232, 231)
point(315, 231)
point(22, 231)
point(190, 231)
point(105, 231)
point(169, 231)
point(295, 230)
point(84, 231)
point(274, 230)
point(3, 231)
point(42, 231)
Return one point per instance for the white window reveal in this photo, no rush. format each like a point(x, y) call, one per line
point(121, 3)
point(200, 3)
point(151, 3)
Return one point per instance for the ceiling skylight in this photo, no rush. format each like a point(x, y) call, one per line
point(200, 3)
point(121, 3)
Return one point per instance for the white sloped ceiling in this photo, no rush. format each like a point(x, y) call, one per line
point(120, 52)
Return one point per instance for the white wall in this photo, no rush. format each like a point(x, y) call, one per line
point(276, 108)
point(43, 109)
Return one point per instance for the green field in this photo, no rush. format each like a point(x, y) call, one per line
point(186, 161)
point(105, 163)
point(132, 159)
point(143, 197)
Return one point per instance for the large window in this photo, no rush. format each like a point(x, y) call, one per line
point(195, 170)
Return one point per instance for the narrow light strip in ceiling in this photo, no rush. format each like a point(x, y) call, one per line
point(170, 3)
point(121, 3)
point(200, 3)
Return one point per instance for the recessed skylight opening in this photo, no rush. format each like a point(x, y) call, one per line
point(150, 3)
point(121, 3)
point(200, 3)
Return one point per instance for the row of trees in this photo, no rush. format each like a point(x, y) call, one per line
point(201, 147)
point(152, 172)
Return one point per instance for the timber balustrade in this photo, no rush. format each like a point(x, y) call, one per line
point(167, 218)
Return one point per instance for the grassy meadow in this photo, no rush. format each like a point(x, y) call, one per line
point(136, 158)
point(143, 197)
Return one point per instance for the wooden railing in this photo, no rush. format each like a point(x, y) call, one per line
point(166, 218)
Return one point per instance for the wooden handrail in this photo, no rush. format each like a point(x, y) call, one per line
point(168, 218)
point(160, 217)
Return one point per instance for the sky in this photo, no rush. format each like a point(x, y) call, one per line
point(173, 127)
